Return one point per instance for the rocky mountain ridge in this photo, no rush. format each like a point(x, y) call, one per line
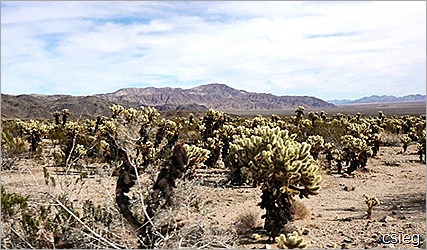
point(200, 98)
point(218, 96)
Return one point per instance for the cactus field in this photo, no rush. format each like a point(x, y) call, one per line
point(140, 179)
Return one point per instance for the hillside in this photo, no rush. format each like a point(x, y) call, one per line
point(382, 99)
point(218, 96)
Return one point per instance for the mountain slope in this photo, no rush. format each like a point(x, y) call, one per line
point(215, 95)
point(218, 96)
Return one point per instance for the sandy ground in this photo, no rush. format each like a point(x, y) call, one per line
point(337, 217)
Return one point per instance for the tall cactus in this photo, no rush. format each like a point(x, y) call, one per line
point(65, 114)
point(405, 140)
point(283, 167)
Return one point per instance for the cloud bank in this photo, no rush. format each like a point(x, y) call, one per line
point(331, 50)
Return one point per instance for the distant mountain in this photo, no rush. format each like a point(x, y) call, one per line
point(218, 96)
point(382, 99)
point(42, 106)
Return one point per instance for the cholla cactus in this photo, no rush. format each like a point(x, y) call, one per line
point(316, 142)
point(421, 146)
point(371, 201)
point(313, 117)
point(214, 145)
point(65, 114)
point(283, 166)
point(375, 140)
point(256, 121)
point(195, 155)
point(357, 152)
point(212, 121)
point(131, 114)
point(117, 110)
point(149, 114)
point(291, 240)
point(405, 140)
point(300, 112)
point(359, 130)
point(337, 155)
point(56, 114)
point(327, 149)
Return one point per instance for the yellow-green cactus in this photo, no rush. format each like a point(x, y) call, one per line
point(195, 155)
point(371, 201)
point(317, 144)
point(291, 240)
point(357, 152)
point(284, 167)
point(405, 140)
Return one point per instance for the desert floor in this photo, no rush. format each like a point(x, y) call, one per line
point(336, 217)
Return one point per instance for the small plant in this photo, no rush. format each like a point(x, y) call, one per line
point(13, 149)
point(371, 201)
point(291, 240)
point(299, 210)
point(246, 222)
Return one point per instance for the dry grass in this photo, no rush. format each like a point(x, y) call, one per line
point(390, 139)
point(300, 211)
point(247, 221)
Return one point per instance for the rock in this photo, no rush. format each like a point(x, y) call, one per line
point(402, 217)
point(267, 246)
point(331, 245)
point(305, 231)
point(347, 241)
point(387, 219)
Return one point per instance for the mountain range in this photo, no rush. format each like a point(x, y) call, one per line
point(382, 99)
point(200, 98)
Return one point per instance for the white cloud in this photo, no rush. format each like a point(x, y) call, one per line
point(326, 49)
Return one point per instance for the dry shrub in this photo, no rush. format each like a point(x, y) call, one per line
point(184, 224)
point(390, 139)
point(200, 234)
point(299, 210)
point(247, 221)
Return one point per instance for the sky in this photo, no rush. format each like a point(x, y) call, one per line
point(330, 50)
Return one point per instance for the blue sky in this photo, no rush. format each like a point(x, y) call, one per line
point(331, 50)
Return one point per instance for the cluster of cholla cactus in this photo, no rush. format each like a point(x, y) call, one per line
point(65, 114)
point(421, 146)
point(356, 152)
point(196, 156)
point(34, 131)
point(282, 166)
point(370, 201)
point(211, 122)
point(291, 241)
point(317, 145)
point(405, 140)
